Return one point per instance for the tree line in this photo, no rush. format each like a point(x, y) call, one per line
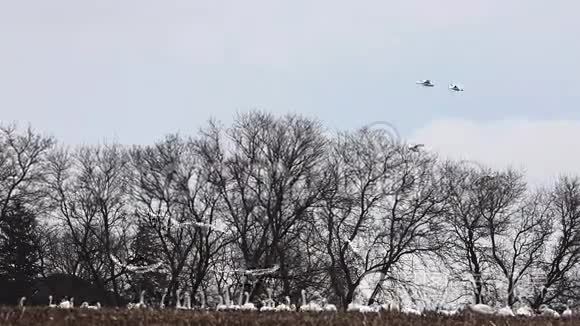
point(346, 216)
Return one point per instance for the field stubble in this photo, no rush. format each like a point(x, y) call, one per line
point(32, 316)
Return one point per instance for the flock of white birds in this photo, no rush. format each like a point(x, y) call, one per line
point(184, 303)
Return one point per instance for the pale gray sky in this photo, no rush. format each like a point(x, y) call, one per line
point(135, 70)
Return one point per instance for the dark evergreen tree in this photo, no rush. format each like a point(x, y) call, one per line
point(146, 253)
point(19, 252)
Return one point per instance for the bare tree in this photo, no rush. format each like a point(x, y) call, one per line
point(559, 276)
point(269, 176)
point(385, 206)
point(53, 241)
point(22, 158)
point(175, 200)
point(90, 190)
point(518, 229)
point(467, 227)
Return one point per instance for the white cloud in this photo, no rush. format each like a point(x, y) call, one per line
point(544, 149)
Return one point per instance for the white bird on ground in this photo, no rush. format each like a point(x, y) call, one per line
point(547, 312)
point(66, 304)
point(426, 83)
point(221, 306)
point(162, 303)
point(202, 300)
point(86, 305)
point(186, 301)
point(230, 304)
point(311, 306)
point(390, 306)
point(328, 306)
point(447, 312)
point(505, 312)
point(567, 313)
point(284, 306)
point(140, 304)
point(267, 306)
point(178, 299)
point(410, 311)
point(481, 308)
point(361, 308)
point(248, 305)
point(524, 311)
point(455, 88)
point(50, 304)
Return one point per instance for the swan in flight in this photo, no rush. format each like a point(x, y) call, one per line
point(426, 83)
point(456, 88)
point(415, 148)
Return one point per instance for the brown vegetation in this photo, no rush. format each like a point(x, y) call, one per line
point(111, 317)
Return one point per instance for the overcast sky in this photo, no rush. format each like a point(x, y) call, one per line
point(132, 71)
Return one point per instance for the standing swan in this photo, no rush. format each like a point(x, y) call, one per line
point(328, 306)
point(248, 305)
point(186, 301)
point(65, 304)
point(284, 306)
point(546, 311)
point(162, 303)
point(567, 312)
point(202, 299)
point(178, 299)
point(221, 306)
point(50, 304)
point(140, 304)
point(311, 306)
